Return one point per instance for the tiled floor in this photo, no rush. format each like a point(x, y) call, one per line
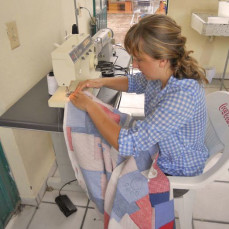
point(211, 207)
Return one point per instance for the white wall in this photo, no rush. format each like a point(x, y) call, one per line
point(83, 18)
point(40, 24)
point(208, 53)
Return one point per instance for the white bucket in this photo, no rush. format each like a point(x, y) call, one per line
point(210, 73)
point(223, 9)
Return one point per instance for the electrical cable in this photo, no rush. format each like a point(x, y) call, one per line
point(108, 68)
point(120, 46)
point(120, 68)
point(65, 185)
point(94, 21)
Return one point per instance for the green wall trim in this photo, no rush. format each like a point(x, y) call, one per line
point(9, 196)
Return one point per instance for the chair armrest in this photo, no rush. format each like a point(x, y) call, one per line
point(221, 166)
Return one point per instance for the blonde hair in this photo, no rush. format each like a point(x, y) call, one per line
point(160, 37)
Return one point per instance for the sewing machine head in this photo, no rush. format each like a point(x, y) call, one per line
point(103, 40)
point(75, 60)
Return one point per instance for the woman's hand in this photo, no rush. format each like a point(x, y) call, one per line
point(80, 100)
point(107, 127)
point(94, 83)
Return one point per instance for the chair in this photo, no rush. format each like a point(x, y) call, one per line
point(217, 142)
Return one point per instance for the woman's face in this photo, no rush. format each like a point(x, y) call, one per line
point(149, 66)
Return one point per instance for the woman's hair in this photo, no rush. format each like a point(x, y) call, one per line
point(160, 37)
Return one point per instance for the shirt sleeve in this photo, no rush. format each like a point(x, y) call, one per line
point(137, 83)
point(173, 112)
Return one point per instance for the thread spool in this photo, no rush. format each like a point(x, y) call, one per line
point(52, 83)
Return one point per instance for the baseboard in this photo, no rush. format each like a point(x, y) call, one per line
point(219, 76)
point(56, 183)
point(36, 201)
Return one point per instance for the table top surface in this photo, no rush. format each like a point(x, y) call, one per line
point(32, 110)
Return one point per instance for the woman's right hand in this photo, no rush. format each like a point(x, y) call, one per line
point(93, 83)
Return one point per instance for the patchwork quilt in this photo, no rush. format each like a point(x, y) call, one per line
point(128, 192)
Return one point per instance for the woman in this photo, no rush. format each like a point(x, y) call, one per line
point(175, 110)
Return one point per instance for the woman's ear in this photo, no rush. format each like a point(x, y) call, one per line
point(163, 63)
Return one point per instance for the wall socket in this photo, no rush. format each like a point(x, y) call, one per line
point(12, 33)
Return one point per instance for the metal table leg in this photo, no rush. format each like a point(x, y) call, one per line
point(224, 72)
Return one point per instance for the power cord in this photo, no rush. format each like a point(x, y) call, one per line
point(65, 185)
point(120, 46)
point(120, 68)
point(94, 21)
point(108, 68)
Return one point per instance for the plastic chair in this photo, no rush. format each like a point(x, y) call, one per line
point(217, 142)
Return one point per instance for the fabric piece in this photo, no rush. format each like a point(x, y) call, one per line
point(119, 186)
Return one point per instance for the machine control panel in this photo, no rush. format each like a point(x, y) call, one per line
point(80, 49)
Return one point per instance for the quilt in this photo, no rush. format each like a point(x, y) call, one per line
point(128, 192)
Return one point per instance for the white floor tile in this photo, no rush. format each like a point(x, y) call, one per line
point(21, 219)
point(209, 225)
point(91, 204)
point(92, 220)
point(78, 198)
point(212, 202)
point(49, 216)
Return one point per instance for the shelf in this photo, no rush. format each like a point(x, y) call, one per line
point(122, 7)
point(199, 22)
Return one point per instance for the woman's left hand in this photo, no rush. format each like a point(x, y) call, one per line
point(80, 100)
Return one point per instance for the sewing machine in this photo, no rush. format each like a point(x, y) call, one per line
point(76, 59)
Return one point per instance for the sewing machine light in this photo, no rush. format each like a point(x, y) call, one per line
point(103, 44)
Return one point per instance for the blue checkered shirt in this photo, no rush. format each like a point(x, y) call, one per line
point(175, 118)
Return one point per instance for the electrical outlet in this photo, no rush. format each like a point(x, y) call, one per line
point(12, 33)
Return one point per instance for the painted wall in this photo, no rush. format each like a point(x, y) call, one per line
point(207, 52)
point(40, 24)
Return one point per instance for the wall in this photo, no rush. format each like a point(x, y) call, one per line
point(40, 24)
point(208, 53)
point(83, 17)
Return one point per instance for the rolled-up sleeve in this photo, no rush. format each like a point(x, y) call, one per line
point(137, 83)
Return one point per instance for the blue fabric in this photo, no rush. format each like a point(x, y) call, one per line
point(121, 206)
point(157, 198)
point(133, 186)
point(175, 118)
point(162, 215)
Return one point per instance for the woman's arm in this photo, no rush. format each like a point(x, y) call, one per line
point(116, 83)
point(107, 127)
